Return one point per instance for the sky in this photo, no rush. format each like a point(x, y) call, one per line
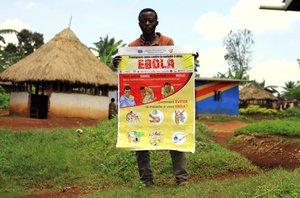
point(201, 24)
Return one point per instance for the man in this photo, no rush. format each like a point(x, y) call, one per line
point(148, 21)
point(167, 90)
point(147, 95)
point(112, 109)
point(127, 100)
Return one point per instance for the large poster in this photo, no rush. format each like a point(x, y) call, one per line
point(156, 99)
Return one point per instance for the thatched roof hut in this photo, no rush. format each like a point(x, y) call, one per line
point(61, 79)
point(253, 94)
point(64, 59)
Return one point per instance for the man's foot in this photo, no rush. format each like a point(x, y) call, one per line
point(148, 183)
point(182, 183)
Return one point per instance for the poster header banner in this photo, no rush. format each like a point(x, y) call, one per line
point(155, 50)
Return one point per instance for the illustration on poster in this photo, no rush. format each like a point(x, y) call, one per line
point(155, 138)
point(179, 116)
point(156, 117)
point(133, 117)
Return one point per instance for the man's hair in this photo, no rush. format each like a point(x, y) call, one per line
point(167, 83)
point(112, 100)
point(147, 10)
point(127, 87)
point(142, 88)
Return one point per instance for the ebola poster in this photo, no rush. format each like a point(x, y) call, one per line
point(156, 100)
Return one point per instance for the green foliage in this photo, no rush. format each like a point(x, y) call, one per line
point(6, 31)
point(106, 49)
point(4, 99)
point(225, 118)
point(270, 88)
point(28, 42)
point(293, 93)
point(272, 127)
point(255, 109)
point(238, 53)
point(60, 157)
point(289, 85)
point(291, 112)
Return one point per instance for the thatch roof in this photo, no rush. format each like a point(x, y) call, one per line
point(64, 58)
point(254, 92)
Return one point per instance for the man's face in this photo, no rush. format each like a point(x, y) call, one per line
point(148, 22)
point(168, 88)
point(127, 92)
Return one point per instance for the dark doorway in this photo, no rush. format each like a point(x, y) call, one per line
point(39, 106)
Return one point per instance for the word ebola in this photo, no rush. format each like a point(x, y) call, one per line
point(156, 63)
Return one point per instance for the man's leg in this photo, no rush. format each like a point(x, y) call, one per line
point(179, 166)
point(143, 160)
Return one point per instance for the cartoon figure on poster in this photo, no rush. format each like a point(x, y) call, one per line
point(179, 116)
point(133, 117)
point(147, 94)
point(167, 90)
point(127, 100)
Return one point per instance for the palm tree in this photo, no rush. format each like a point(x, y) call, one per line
point(289, 85)
point(292, 90)
point(270, 88)
point(6, 31)
point(106, 49)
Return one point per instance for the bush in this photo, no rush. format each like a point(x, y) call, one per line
point(4, 99)
point(291, 112)
point(255, 109)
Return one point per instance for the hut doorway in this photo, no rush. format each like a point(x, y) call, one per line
point(39, 106)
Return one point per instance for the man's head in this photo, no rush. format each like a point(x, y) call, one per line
point(167, 87)
point(143, 91)
point(148, 21)
point(127, 90)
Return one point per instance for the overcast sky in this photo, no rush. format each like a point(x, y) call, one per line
point(201, 24)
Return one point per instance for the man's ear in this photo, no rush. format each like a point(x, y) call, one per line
point(157, 23)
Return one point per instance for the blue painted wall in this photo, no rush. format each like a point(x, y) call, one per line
point(229, 103)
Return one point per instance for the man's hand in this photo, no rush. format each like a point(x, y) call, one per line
point(116, 61)
point(196, 55)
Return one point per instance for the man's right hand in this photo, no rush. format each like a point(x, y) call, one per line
point(116, 61)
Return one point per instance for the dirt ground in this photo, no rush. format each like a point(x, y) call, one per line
point(264, 151)
point(24, 123)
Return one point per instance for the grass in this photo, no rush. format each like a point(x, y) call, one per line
point(53, 159)
point(285, 127)
point(276, 183)
point(225, 118)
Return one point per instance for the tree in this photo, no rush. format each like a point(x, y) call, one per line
point(289, 85)
point(230, 74)
point(28, 42)
point(293, 93)
point(106, 49)
point(291, 90)
point(270, 88)
point(6, 31)
point(238, 53)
